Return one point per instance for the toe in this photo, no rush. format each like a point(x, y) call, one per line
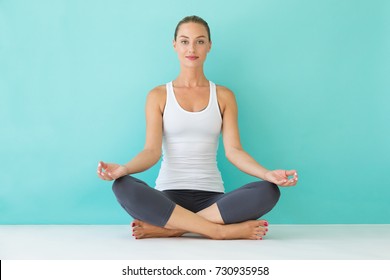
point(264, 223)
point(259, 237)
point(137, 235)
point(260, 232)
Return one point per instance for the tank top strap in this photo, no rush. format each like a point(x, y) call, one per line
point(170, 97)
point(214, 100)
point(213, 92)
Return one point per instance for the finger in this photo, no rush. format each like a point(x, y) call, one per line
point(104, 164)
point(295, 178)
point(100, 169)
point(291, 172)
point(282, 182)
point(294, 175)
point(287, 183)
point(100, 166)
point(290, 183)
point(102, 175)
point(112, 176)
point(105, 176)
point(99, 175)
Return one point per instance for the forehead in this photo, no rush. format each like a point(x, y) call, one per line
point(192, 29)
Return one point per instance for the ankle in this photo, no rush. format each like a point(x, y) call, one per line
point(220, 233)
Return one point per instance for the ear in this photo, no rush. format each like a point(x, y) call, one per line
point(174, 44)
point(210, 46)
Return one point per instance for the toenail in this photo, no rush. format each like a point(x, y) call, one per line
point(266, 223)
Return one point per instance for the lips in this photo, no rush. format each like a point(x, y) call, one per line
point(192, 57)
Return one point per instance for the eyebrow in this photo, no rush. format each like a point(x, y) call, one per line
point(201, 36)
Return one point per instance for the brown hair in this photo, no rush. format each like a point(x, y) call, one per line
point(194, 19)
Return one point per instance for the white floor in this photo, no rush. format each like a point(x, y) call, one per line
point(283, 242)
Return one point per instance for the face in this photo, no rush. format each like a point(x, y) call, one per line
point(192, 44)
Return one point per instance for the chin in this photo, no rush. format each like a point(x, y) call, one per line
point(192, 64)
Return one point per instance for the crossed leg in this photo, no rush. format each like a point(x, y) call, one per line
point(133, 194)
point(207, 222)
point(144, 230)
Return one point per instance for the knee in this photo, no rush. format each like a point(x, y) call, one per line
point(268, 196)
point(268, 191)
point(129, 190)
point(124, 187)
point(273, 188)
point(273, 191)
point(118, 186)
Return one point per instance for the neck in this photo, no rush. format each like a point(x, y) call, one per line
point(191, 77)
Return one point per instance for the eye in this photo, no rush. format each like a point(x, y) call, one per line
point(201, 42)
point(184, 42)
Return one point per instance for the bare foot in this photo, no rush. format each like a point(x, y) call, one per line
point(254, 230)
point(144, 230)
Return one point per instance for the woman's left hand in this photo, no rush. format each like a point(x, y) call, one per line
point(280, 177)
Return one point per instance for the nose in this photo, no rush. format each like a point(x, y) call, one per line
point(191, 47)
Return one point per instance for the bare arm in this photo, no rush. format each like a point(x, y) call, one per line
point(151, 153)
point(233, 148)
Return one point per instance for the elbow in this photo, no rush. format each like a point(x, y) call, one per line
point(228, 155)
point(231, 154)
point(155, 154)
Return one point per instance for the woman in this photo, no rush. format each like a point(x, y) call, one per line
point(184, 119)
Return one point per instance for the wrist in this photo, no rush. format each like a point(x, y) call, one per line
point(264, 174)
point(126, 169)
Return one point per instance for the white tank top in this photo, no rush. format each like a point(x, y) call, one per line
point(190, 143)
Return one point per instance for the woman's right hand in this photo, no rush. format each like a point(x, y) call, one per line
point(111, 171)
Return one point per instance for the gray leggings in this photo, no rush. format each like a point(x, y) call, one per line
point(147, 204)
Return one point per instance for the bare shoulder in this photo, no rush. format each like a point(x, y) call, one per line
point(225, 97)
point(157, 92)
point(157, 96)
point(224, 90)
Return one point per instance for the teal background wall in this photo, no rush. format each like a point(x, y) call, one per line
point(311, 80)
